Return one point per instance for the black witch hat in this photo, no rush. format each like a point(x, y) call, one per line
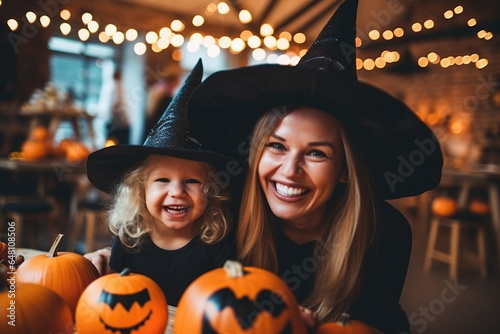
point(170, 136)
point(402, 152)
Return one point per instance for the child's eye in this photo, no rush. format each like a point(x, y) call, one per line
point(162, 179)
point(276, 146)
point(193, 181)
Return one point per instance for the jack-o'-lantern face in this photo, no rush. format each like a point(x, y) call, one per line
point(122, 304)
point(254, 301)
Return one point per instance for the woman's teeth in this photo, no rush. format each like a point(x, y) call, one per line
point(176, 210)
point(289, 191)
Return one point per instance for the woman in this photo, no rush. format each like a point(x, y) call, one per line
point(326, 151)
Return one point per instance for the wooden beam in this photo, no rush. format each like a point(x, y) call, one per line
point(301, 11)
point(318, 17)
point(267, 11)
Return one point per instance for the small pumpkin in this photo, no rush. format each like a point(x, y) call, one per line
point(479, 207)
point(66, 273)
point(347, 326)
point(444, 206)
point(33, 308)
point(39, 133)
point(122, 303)
point(38, 145)
point(237, 299)
point(77, 152)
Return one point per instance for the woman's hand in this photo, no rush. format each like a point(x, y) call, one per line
point(100, 259)
point(310, 318)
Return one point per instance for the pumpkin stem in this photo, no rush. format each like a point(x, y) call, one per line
point(233, 269)
point(125, 272)
point(55, 246)
point(344, 319)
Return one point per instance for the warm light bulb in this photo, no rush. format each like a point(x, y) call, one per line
point(399, 32)
point(213, 51)
point(472, 22)
point(103, 37)
point(299, 38)
point(131, 35)
point(223, 8)
point(31, 17)
point(423, 62)
point(245, 16)
point(380, 62)
point(458, 9)
point(416, 27)
point(165, 32)
point(482, 63)
point(254, 42)
point(45, 21)
point(163, 43)
point(225, 42)
point(266, 30)
point(83, 34)
point(359, 63)
point(177, 25)
point(369, 64)
point(374, 34)
point(140, 48)
point(270, 42)
point(237, 45)
point(208, 41)
point(151, 37)
point(86, 18)
point(429, 24)
point(286, 35)
point(283, 44)
point(448, 14)
point(13, 25)
point(65, 28)
point(110, 29)
point(93, 26)
point(284, 60)
point(118, 37)
point(259, 54)
point(192, 46)
point(198, 21)
point(177, 40)
point(65, 14)
point(245, 35)
point(388, 35)
point(358, 42)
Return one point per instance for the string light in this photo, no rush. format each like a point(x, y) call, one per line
point(223, 8)
point(471, 22)
point(208, 41)
point(225, 42)
point(448, 14)
point(270, 42)
point(165, 32)
point(237, 45)
point(103, 37)
point(423, 61)
point(213, 51)
point(299, 38)
point(254, 42)
point(177, 40)
point(286, 35)
point(65, 14)
point(416, 27)
point(93, 26)
point(374, 34)
point(245, 35)
point(110, 29)
point(266, 30)
point(284, 60)
point(65, 28)
point(399, 32)
point(151, 37)
point(429, 24)
point(86, 18)
point(31, 17)
point(388, 35)
point(83, 34)
point(283, 44)
point(13, 25)
point(118, 37)
point(192, 46)
point(45, 21)
point(245, 16)
point(198, 21)
point(140, 48)
point(259, 54)
point(482, 63)
point(177, 25)
point(131, 35)
point(458, 10)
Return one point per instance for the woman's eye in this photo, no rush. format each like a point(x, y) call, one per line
point(317, 153)
point(276, 146)
point(162, 179)
point(193, 181)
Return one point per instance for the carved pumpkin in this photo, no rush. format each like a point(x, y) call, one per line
point(444, 206)
point(122, 303)
point(345, 325)
point(34, 309)
point(66, 273)
point(479, 207)
point(237, 299)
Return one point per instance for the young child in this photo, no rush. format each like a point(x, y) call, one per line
point(168, 215)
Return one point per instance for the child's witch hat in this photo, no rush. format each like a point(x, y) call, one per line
point(170, 136)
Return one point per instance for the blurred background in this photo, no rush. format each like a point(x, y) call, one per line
point(76, 76)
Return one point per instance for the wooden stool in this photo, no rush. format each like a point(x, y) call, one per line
point(87, 214)
point(452, 258)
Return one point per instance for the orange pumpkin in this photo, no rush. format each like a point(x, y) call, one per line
point(77, 152)
point(33, 308)
point(4, 250)
point(66, 273)
point(444, 206)
point(39, 133)
point(34, 149)
point(479, 207)
point(345, 325)
point(237, 299)
point(122, 303)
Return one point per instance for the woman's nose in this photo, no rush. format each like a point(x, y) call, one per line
point(291, 165)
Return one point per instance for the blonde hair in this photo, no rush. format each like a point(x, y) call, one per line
point(130, 220)
point(349, 227)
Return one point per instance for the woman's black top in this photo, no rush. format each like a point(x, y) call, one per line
point(172, 270)
point(384, 273)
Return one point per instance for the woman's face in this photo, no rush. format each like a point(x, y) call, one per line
point(174, 196)
point(302, 162)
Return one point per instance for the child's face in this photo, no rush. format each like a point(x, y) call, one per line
point(174, 196)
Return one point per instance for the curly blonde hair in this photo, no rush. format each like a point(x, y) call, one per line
point(130, 220)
